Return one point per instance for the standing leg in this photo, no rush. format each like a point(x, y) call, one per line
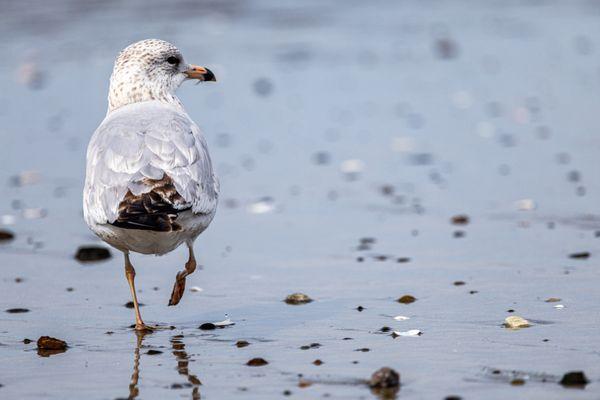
point(179, 287)
point(130, 275)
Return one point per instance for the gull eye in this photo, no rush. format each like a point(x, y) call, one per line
point(173, 60)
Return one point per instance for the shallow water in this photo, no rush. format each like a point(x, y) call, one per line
point(462, 108)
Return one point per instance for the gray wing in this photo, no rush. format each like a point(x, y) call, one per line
point(145, 163)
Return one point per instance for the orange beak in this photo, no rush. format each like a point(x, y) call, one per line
point(200, 73)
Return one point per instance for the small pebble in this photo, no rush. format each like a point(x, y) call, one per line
point(153, 352)
point(207, 326)
point(460, 219)
point(130, 304)
point(17, 310)
point(317, 362)
point(516, 322)
point(297, 298)
point(360, 308)
point(402, 259)
point(242, 343)
point(552, 300)
point(459, 283)
point(92, 253)
point(574, 379)
point(385, 378)
point(50, 343)
point(6, 235)
point(517, 382)
point(257, 362)
point(407, 299)
point(581, 255)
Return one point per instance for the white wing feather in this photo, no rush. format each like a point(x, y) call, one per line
point(145, 141)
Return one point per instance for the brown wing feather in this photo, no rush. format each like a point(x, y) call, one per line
point(156, 210)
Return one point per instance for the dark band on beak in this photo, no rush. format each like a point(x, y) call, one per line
point(200, 73)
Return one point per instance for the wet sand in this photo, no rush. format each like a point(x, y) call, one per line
point(346, 137)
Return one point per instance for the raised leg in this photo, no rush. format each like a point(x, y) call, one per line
point(179, 287)
point(130, 275)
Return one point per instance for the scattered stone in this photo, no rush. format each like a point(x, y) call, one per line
point(459, 283)
point(27, 341)
point(385, 378)
point(317, 362)
point(581, 255)
point(407, 299)
point(257, 362)
point(402, 259)
point(92, 253)
point(70, 289)
point(360, 259)
point(297, 298)
point(310, 346)
point(19, 279)
point(517, 382)
point(360, 308)
point(153, 352)
point(452, 397)
point(6, 235)
point(574, 379)
point(17, 310)
point(130, 304)
point(409, 333)
point(242, 343)
point(363, 350)
point(287, 392)
point(460, 219)
point(48, 346)
point(473, 291)
point(552, 300)
point(385, 329)
point(50, 343)
point(304, 383)
point(207, 326)
point(516, 322)
point(459, 234)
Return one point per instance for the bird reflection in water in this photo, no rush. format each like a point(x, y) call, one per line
point(182, 359)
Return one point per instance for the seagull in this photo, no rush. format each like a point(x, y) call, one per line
point(150, 184)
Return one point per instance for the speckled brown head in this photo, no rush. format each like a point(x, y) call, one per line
point(151, 69)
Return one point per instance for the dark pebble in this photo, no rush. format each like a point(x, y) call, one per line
point(385, 329)
point(257, 362)
point(6, 235)
point(242, 343)
point(207, 326)
point(17, 310)
point(50, 343)
point(460, 219)
point(517, 382)
point(317, 362)
point(360, 308)
point(92, 253)
point(363, 350)
point(130, 304)
point(297, 298)
point(27, 341)
point(407, 299)
point(581, 255)
point(459, 234)
point(287, 392)
point(402, 259)
point(453, 398)
point(360, 259)
point(574, 379)
point(385, 378)
point(459, 283)
point(153, 352)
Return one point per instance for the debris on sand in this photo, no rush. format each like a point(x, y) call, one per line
point(517, 382)
point(401, 318)
point(410, 333)
point(407, 299)
point(92, 253)
point(153, 352)
point(580, 256)
point(226, 322)
point(257, 362)
point(385, 378)
point(297, 298)
point(48, 346)
point(17, 310)
point(460, 219)
point(310, 346)
point(553, 300)
point(574, 379)
point(242, 343)
point(6, 235)
point(516, 322)
point(130, 304)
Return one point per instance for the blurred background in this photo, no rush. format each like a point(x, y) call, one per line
point(346, 135)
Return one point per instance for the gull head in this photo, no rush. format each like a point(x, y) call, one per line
point(151, 69)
